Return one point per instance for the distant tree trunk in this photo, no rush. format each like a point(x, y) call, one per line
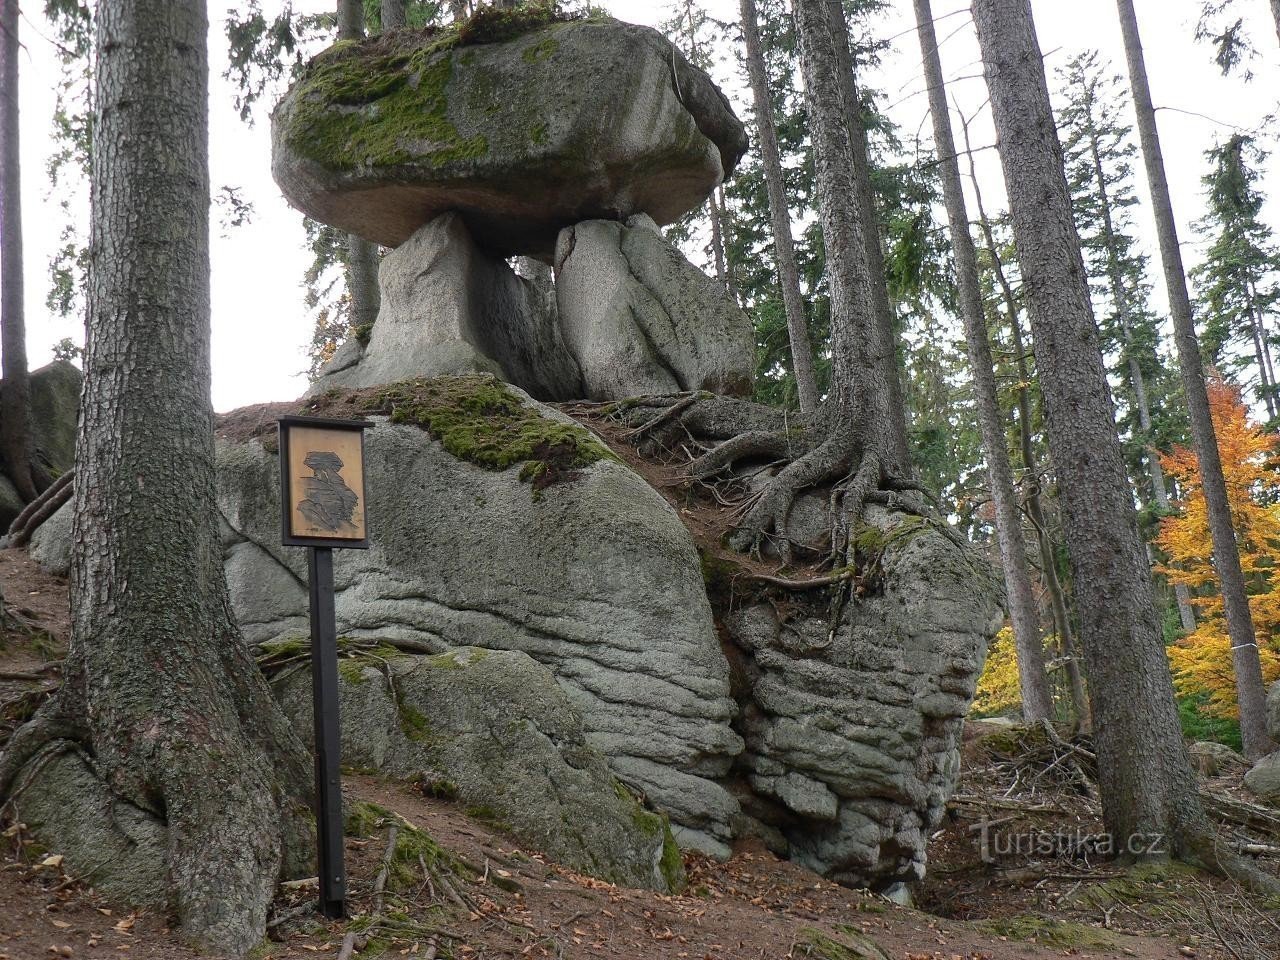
point(1250, 691)
point(1037, 702)
point(1030, 463)
point(15, 402)
point(717, 240)
point(362, 255)
point(458, 10)
point(393, 14)
point(1275, 12)
point(159, 688)
point(350, 19)
point(1149, 790)
point(780, 214)
point(885, 334)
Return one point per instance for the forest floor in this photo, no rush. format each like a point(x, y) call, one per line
point(507, 901)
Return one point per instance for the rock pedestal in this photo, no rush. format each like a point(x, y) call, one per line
point(639, 318)
point(450, 309)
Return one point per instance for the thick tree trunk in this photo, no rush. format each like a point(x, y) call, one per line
point(350, 19)
point(885, 343)
point(393, 15)
point(16, 451)
point(159, 686)
point(1148, 787)
point(1037, 703)
point(1275, 12)
point(1124, 311)
point(1250, 692)
point(859, 386)
point(780, 214)
point(1030, 463)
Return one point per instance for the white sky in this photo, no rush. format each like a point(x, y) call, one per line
point(260, 326)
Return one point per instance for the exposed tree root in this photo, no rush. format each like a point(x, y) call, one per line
point(40, 509)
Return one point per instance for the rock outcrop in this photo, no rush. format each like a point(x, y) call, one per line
point(639, 318)
point(493, 730)
point(567, 122)
point(55, 405)
point(596, 578)
point(449, 309)
point(852, 733)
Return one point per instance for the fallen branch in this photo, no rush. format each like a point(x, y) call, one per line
point(809, 584)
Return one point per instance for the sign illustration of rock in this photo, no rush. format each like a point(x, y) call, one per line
point(322, 506)
point(330, 503)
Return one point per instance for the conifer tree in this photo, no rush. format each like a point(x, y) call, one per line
point(1239, 281)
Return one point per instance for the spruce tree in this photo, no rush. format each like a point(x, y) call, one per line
point(1239, 281)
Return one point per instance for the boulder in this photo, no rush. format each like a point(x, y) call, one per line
point(594, 576)
point(639, 318)
point(1213, 759)
point(50, 545)
point(852, 735)
point(55, 405)
point(1263, 781)
point(449, 309)
point(1273, 712)
point(493, 730)
point(566, 122)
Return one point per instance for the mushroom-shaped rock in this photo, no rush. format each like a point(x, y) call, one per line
point(571, 121)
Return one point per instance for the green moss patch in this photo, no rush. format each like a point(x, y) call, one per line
point(1059, 934)
point(384, 101)
point(849, 945)
point(479, 420)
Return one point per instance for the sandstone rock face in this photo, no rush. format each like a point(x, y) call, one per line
point(852, 738)
point(449, 309)
point(569, 122)
point(639, 318)
point(595, 578)
point(495, 731)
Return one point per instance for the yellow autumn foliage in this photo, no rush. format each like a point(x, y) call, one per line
point(998, 688)
point(1201, 660)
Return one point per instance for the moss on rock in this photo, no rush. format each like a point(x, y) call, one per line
point(478, 419)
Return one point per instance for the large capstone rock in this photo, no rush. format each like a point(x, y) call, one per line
point(852, 734)
point(568, 122)
point(595, 577)
point(493, 730)
point(641, 319)
point(448, 309)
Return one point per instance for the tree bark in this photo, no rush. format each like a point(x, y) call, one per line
point(1250, 691)
point(1037, 702)
point(780, 214)
point(717, 240)
point(393, 14)
point(350, 19)
point(1275, 12)
point(885, 335)
point(159, 687)
point(16, 450)
point(1148, 787)
point(1030, 463)
point(1124, 311)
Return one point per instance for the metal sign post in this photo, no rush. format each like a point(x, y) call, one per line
point(322, 506)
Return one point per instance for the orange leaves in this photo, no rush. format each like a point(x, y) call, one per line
point(1201, 660)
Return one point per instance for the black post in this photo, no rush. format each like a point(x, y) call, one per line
point(324, 699)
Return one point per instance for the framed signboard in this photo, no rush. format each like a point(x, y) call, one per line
point(322, 489)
